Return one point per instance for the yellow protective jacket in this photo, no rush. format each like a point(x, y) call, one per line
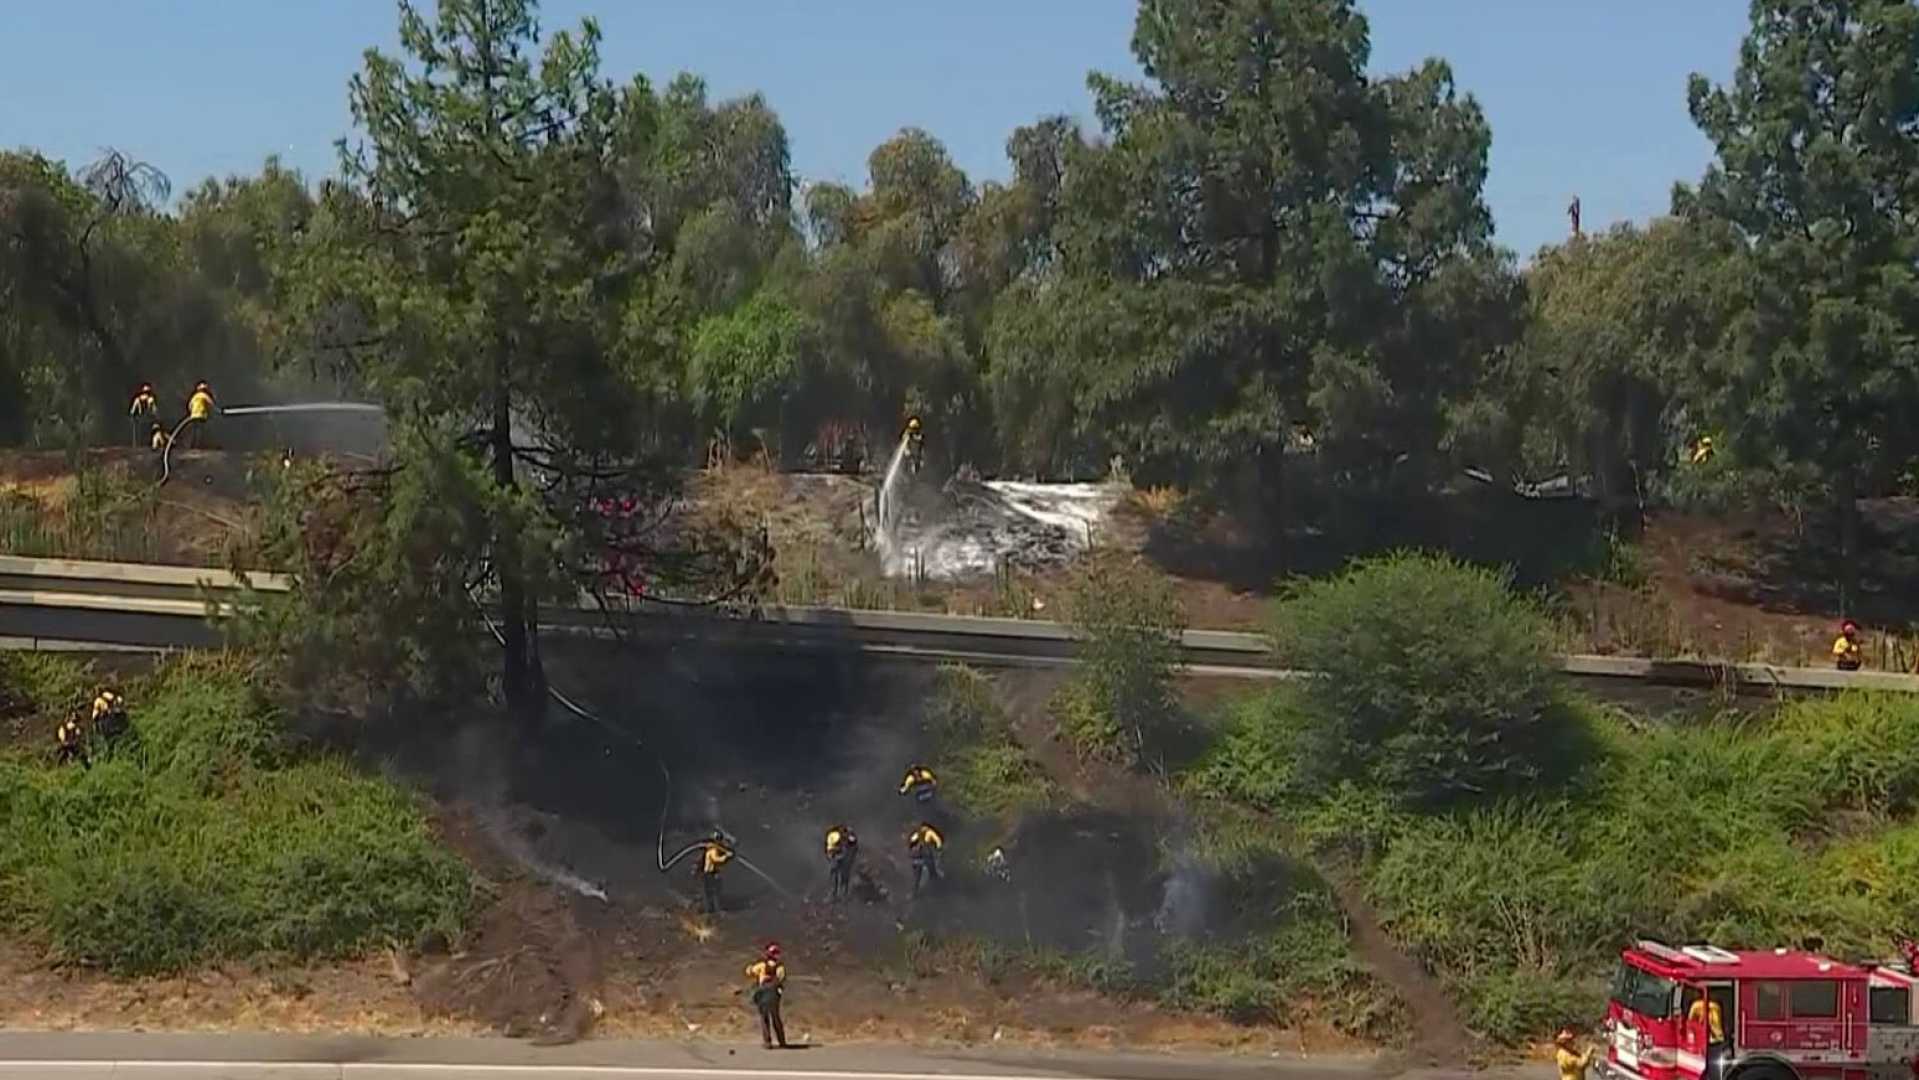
point(1572, 1066)
point(143, 405)
point(105, 703)
point(917, 775)
point(1708, 1011)
point(767, 974)
point(925, 838)
point(716, 856)
point(68, 733)
point(200, 405)
point(1845, 648)
point(837, 840)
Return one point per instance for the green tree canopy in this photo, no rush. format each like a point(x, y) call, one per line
point(471, 271)
point(1817, 171)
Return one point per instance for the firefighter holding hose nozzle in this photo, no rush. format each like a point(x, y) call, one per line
point(714, 855)
point(915, 444)
point(924, 844)
point(200, 408)
point(841, 848)
point(767, 976)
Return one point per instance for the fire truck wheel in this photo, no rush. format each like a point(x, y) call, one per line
point(1762, 1072)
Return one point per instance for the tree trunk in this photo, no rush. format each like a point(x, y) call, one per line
point(1848, 542)
point(522, 677)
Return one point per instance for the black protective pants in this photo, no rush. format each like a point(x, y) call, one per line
point(772, 1026)
point(926, 870)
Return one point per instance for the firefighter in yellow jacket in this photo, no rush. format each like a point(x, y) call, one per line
point(767, 979)
point(1846, 653)
point(71, 739)
point(841, 849)
point(1572, 1063)
point(920, 783)
point(200, 408)
point(915, 444)
point(109, 713)
point(716, 854)
point(924, 844)
point(144, 408)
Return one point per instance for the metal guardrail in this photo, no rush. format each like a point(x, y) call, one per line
point(64, 603)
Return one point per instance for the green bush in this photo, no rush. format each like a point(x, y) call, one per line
point(213, 842)
point(984, 769)
point(961, 711)
point(1721, 830)
point(1437, 679)
point(1121, 700)
point(1508, 1005)
point(1862, 750)
point(1268, 752)
point(1223, 980)
point(998, 780)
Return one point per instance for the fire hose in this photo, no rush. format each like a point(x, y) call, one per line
point(666, 799)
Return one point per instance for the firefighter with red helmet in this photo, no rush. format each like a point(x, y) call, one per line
point(1846, 652)
point(767, 981)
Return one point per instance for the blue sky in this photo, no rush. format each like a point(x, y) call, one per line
point(1585, 96)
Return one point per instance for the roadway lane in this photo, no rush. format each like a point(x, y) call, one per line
point(99, 1055)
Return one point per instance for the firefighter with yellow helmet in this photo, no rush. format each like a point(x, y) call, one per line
point(915, 444)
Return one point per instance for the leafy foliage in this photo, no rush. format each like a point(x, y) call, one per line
point(451, 273)
point(1436, 680)
point(1815, 157)
point(985, 769)
point(1121, 700)
point(214, 840)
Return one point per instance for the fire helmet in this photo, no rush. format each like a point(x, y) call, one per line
point(773, 950)
point(1565, 1035)
point(913, 424)
point(1848, 627)
point(199, 386)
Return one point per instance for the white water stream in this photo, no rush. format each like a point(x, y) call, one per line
point(970, 528)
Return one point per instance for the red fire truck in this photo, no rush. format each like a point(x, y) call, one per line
point(1786, 1014)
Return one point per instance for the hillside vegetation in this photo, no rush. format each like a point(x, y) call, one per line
point(205, 834)
point(1513, 835)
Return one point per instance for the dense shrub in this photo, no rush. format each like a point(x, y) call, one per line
point(984, 769)
point(1436, 677)
point(1121, 699)
point(213, 842)
point(1861, 750)
point(1723, 830)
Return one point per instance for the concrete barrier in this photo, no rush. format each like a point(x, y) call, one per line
point(136, 606)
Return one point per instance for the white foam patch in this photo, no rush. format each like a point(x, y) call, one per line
point(970, 529)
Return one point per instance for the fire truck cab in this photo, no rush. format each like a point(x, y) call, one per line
point(1784, 1014)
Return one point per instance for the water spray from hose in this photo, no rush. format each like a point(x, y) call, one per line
point(166, 452)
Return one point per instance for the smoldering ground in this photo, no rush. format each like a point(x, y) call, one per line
point(773, 748)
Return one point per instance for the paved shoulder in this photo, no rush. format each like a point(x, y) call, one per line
point(87, 1055)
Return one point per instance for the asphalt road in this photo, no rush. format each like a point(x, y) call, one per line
point(95, 1055)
